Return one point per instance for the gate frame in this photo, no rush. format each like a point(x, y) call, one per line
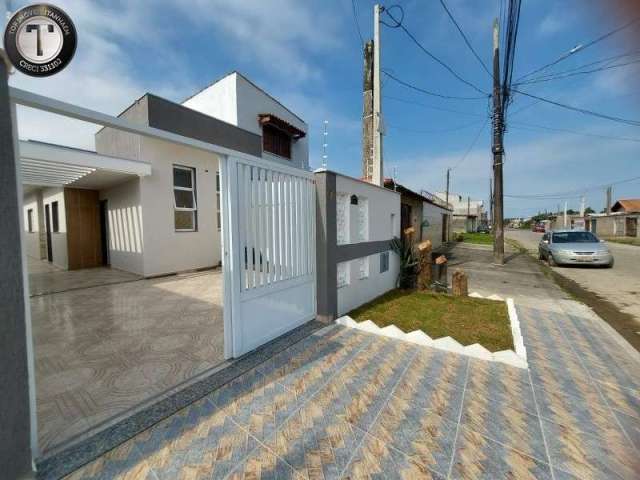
point(233, 346)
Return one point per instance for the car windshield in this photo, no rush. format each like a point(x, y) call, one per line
point(574, 237)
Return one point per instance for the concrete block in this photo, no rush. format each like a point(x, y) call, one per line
point(346, 321)
point(419, 337)
point(449, 344)
point(478, 351)
point(369, 326)
point(510, 358)
point(393, 332)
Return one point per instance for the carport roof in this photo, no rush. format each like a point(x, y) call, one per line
point(46, 164)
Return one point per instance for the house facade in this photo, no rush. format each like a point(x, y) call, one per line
point(467, 215)
point(429, 216)
point(621, 222)
point(132, 221)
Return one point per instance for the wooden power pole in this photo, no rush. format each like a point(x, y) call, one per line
point(498, 153)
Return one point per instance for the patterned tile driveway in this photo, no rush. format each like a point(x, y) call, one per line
point(345, 404)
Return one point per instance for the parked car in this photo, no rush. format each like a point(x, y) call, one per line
point(574, 247)
point(484, 229)
point(539, 228)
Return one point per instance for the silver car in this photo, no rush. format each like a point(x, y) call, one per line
point(574, 247)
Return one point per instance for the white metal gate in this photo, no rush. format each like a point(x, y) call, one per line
point(269, 251)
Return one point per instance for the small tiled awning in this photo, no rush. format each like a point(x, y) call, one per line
point(270, 119)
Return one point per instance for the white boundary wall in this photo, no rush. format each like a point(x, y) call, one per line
point(378, 221)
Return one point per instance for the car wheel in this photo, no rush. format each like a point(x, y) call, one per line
point(551, 261)
point(610, 264)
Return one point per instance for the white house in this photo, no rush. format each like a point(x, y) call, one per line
point(145, 205)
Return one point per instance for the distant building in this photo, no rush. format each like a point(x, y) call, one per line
point(468, 214)
point(621, 222)
point(426, 213)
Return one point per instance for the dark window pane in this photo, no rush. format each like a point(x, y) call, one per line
point(384, 262)
point(184, 198)
point(30, 219)
point(184, 220)
point(182, 178)
point(54, 216)
point(217, 182)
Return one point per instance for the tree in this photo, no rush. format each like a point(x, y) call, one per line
point(589, 210)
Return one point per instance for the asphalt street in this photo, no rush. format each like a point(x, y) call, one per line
point(619, 285)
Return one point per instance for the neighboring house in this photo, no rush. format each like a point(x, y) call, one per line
point(468, 214)
point(621, 222)
point(415, 208)
point(356, 222)
point(157, 211)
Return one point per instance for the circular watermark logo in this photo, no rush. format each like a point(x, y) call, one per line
point(40, 40)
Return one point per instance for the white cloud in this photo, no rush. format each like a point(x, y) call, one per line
point(278, 35)
point(552, 24)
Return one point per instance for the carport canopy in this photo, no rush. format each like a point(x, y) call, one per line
point(45, 164)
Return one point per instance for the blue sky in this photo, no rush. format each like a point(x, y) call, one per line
point(308, 54)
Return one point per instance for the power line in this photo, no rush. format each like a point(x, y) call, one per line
point(398, 24)
point(433, 107)
point(574, 132)
point(579, 48)
point(574, 73)
point(473, 143)
point(355, 20)
point(566, 194)
point(591, 64)
point(428, 92)
point(464, 37)
point(441, 130)
point(513, 21)
point(584, 111)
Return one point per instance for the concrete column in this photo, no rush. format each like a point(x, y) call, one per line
point(326, 246)
point(15, 416)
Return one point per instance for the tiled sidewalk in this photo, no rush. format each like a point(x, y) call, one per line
point(345, 404)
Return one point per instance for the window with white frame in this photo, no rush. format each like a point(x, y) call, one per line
point(218, 200)
point(184, 199)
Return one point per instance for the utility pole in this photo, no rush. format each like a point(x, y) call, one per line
point(564, 221)
point(582, 203)
point(609, 200)
point(367, 113)
point(447, 190)
point(469, 212)
point(378, 170)
point(497, 149)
